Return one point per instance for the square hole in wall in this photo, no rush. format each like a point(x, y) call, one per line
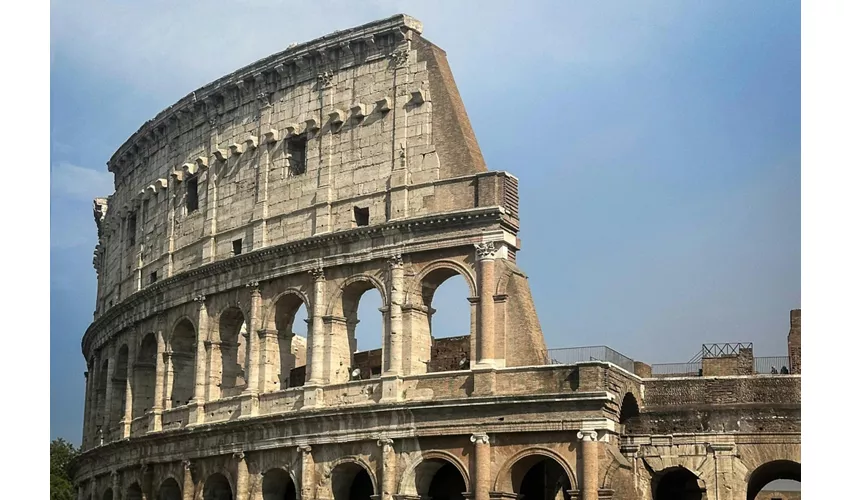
point(296, 148)
point(361, 216)
point(192, 194)
point(237, 246)
point(153, 277)
point(131, 229)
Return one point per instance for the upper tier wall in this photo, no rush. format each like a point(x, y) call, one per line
point(360, 127)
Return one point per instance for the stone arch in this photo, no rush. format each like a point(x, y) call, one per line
point(228, 354)
point(176, 323)
point(119, 385)
point(144, 375)
point(767, 472)
point(342, 474)
point(505, 480)
point(218, 486)
point(273, 486)
point(335, 306)
point(169, 489)
point(286, 356)
point(181, 345)
point(134, 492)
point(629, 410)
point(677, 483)
point(408, 483)
point(107, 494)
point(437, 265)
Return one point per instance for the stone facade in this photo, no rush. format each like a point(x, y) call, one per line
point(306, 179)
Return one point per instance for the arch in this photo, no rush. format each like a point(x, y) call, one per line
point(107, 495)
point(144, 376)
point(445, 264)
point(134, 492)
point(217, 487)
point(291, 353)
point(119, 385)
point(178, 321)
point(270, 316)
point(355, 285)
point(182, 347)
point(228, 362)
point(102, 377)
point(351, 478)
point(629, 410)
point(279, 484)
point(677, 483)
point(531, 456)
point(436, 475)
point(769, 472)
point(169, 489)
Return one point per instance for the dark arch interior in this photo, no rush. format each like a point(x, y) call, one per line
point(169, 490)
point(361, 307)
point(119, 384)
point(144, 373)
point(540, 478)
point(677, 484)
point(107, 495)
point(183, 362)
point(134, 492)
point(232, 331)
point(350, 481)
point(290, 321)
point(446, 484)
point(771, 471)
point(277, 485)
point(628, 409)
point(217, 487)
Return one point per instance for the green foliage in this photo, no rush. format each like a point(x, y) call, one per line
point(61, 455)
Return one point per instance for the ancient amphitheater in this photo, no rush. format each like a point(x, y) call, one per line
point(338, 166)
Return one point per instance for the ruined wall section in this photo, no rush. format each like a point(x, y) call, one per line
point(382, 127)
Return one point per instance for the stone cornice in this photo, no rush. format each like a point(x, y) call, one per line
point(105, 325)
point(294, 57)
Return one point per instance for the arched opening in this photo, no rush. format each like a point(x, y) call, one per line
point(446, 291)
point(134, 492)
point(107, 495)
point(778, 475)
point(350, 481)
point(439, 479)
point(228, 371)
point(292, 354)
point(677, 483)
point(217, 487)
point(100, 421)
point(119, 387)
point(628, 410)
point(182, 363)
point(169, 490)
point(278, 485)
point(362, 306)
point(538, 477)
point(144, 376)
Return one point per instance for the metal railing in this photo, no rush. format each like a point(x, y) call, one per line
point(572, 355)
point(677, 369)
point(724, 349)
point(769, 364)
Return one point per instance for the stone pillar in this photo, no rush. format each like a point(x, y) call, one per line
point(116, 485)
point(589, 465)
point(315, 365)
point(482, 466)
point(93, 491)
point(486, 305)
point(268, 353)
point(188, 482)
point(107, 406)
point(243, 486)
point(253, 350)
point(794, 339)
point(87, 410)
point(168, 377)
point(395, 345)
point(94, 414)
point(307, 487)
point(200, 361)
point(159, 385)
point(127, 418)
point(387, 468)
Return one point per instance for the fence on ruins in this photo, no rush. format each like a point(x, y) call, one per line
point(766, 364)
point(572, 355)
point(691, 369)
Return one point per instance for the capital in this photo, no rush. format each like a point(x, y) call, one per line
point(385, 442)
point(114, 475)
point(486, 250)
point(239, 456)
point(317, 273)
point(187, 465)
point(479, 438)
point(396, 261)
point(587, 435)
point(305, 448)
point(200, 298)
point(255, 285)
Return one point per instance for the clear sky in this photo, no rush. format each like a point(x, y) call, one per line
point(657, 146)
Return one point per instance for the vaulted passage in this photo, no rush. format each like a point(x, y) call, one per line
point(445, 482)
point(286, 348)
point(350, 481)
point(134, 492)
point(773, 471)
point(169, 490)
point(217, 487)
point(182, 363)
point(144, 376)
point(677, 483)
point(538, 477)
point(230, 365)
point(445, 295)
point(278, 485)
point(119, 387)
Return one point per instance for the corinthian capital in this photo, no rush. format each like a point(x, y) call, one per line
point(317, 273)
point(486, 250)
point(396, 261)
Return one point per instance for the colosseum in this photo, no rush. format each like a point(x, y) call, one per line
point(308, 178)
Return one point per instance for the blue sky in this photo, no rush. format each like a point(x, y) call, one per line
point(657, 146)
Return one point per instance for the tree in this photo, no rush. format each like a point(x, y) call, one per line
point(61, 455)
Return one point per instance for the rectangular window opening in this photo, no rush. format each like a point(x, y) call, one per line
point(296, 148)
point(192, 194)
point(131, 229)
point(237, 246)
point(361, 216)
point(153, 277)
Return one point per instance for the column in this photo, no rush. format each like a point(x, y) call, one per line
point(116, 485)
point(387, 468)
point(107, 406)
point(315, 366)
point(306, 472)
point(127, 419)
point(81, 494)
point(200, 355)
point(482, 466)
point(253, 351)
point(486, 289)
point(242, 476)
point(87, 409)
point(268, 353)
point(94, 414)
point(159, 384)
point(94, 488)
point(589, 465)
point(395, 338)
point(167, 378)
point(188, 483)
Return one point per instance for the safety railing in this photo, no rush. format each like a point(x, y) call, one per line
point(572, 355)
point(677, 369)
point(777, 365)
